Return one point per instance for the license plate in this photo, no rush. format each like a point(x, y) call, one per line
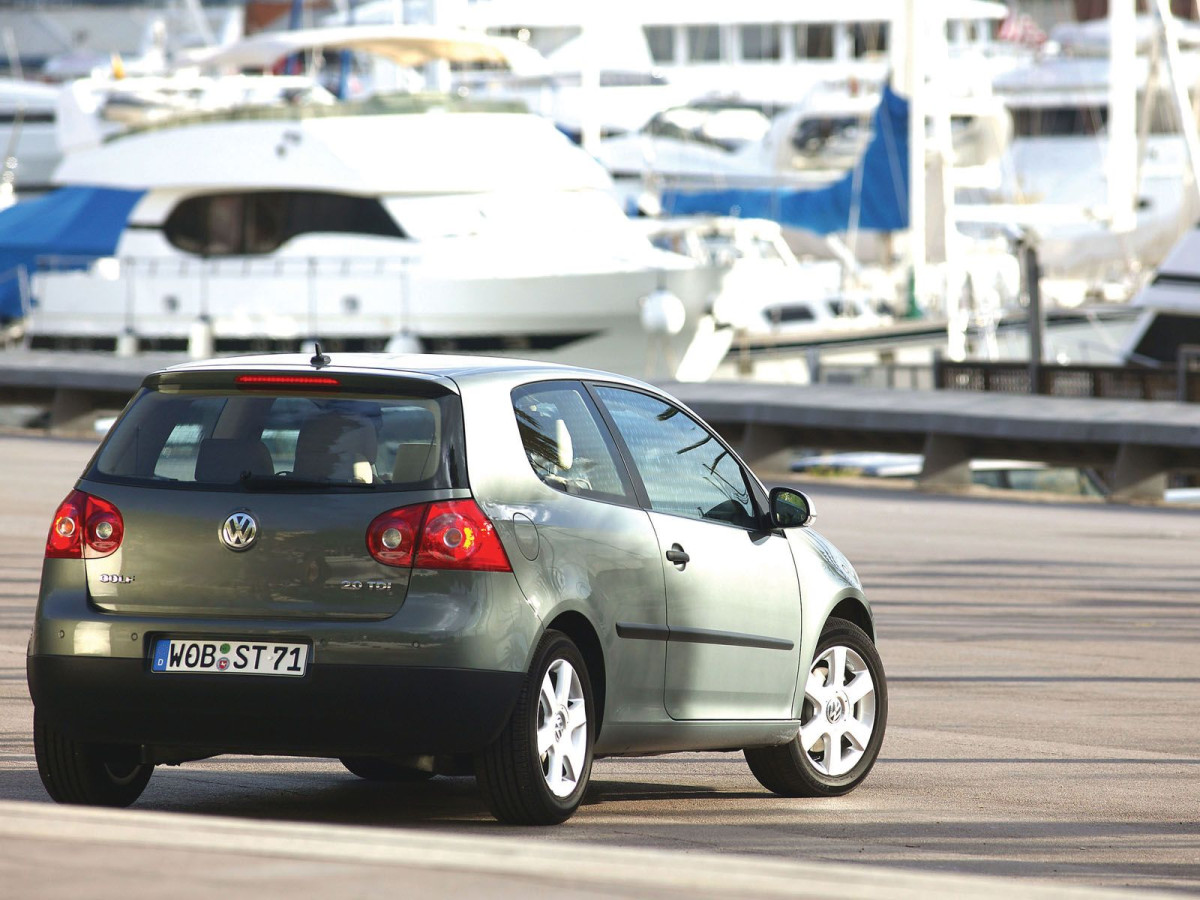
point(228, 657)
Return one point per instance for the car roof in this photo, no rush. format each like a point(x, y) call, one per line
point(448, 369)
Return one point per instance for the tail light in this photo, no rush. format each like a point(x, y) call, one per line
point(392, 536)
point(450, 534)
point(84, 527)
point(457, 535)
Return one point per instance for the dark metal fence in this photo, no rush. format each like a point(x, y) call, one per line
point(1116, 382)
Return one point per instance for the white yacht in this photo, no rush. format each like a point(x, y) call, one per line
point(421, 219)
point(27, 137)
point(733, 141)
point(769, 298)
point(768, 291)
point(1059, 156)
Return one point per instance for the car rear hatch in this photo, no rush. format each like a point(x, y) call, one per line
point(252, 494)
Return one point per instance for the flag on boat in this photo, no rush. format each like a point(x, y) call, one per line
point(1020, 28)
point(70, 227)
point(871, 196)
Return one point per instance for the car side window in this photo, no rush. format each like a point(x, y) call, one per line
point(567, 445)
point(685, 469)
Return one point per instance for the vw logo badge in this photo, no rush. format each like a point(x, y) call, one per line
point(240, 531)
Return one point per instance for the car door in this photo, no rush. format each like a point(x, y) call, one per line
point(596, 549)
point(733, 597)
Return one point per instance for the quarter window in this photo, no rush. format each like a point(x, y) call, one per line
point(568, 448)
point(685, 469)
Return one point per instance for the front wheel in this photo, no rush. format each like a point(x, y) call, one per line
point(841, 723)
point(90, 774)
point(536, 771)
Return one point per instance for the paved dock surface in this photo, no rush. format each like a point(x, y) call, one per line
point(1045, 695)
point(81, 368)
point(972, 414)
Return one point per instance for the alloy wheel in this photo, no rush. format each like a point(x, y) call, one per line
point(562, 728)
point(839, 711)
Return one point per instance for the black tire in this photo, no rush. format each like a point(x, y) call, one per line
point(791, 771)
point(372, 769)
point(512, 773)
point(89, 774)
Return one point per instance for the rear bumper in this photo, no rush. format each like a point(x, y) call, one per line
point(333, 710)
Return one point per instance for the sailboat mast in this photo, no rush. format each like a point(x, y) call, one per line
point(1179, 91)
point(1122, 105)
point(909, 34)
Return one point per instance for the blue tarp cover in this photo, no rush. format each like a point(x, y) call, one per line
point(83, 223)
point(883, 192)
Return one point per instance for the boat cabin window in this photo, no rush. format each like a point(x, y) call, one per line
point(728, 128)
point(1065, 121)
point(792, 312)
point(619, 78)
point(258, 222)
point(27, 117)
point(828, 136)
point(1059, 121)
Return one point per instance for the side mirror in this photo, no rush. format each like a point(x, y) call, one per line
point(791, 509)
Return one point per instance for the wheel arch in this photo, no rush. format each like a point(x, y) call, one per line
point(847, 603)
point(853, 609)
point(576, 626)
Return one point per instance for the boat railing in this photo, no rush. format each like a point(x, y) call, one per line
point(304, 108)
point(166, 298)
point(227, 266)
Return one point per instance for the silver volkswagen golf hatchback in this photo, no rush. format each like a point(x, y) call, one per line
point(430, 565)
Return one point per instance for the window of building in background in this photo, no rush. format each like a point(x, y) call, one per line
point(760, 42)
point(704, 43)
point(661, 40)
point(814, 41)
point(870, 38)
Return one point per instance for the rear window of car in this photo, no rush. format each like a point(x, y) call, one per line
point(217, 439)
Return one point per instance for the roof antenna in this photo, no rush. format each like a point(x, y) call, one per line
point(319, 359)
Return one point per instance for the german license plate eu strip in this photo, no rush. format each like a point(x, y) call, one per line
point(229, 657)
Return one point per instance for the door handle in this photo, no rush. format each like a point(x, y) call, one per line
point(678, 556)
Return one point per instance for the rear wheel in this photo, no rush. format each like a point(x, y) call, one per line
point(84, 773)
point(841, 724)
point(373, 769)
point(537, 770)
